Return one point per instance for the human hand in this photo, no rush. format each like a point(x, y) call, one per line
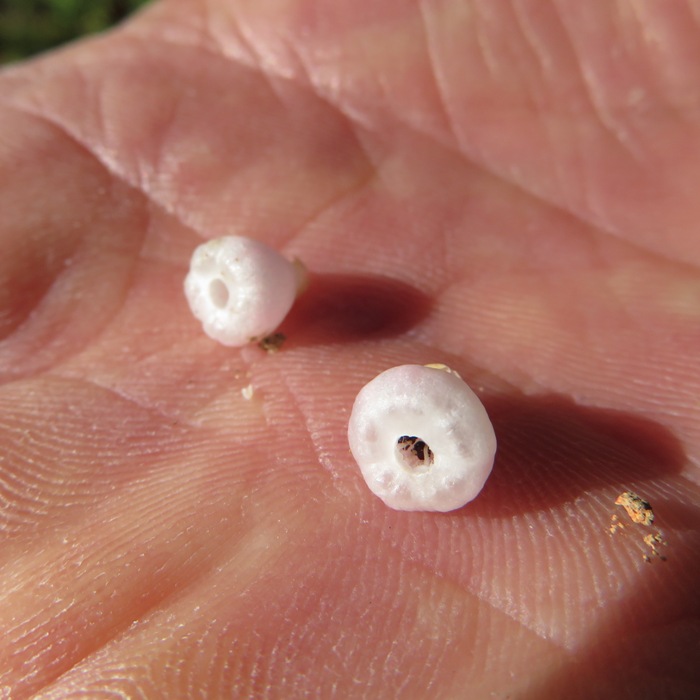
point(506, 189)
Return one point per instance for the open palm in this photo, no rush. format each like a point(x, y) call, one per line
point(507, 188)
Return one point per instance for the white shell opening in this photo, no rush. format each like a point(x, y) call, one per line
point(240, 289)
point(422, 439)
point(219, 294)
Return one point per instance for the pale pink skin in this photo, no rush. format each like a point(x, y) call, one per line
point(533, 174)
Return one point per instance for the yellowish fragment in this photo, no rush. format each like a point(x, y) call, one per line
point(639, 510)
point(444, 368)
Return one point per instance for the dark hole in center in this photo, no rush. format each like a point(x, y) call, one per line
point(414, 451)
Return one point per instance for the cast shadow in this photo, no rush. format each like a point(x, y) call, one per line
point(551, 451)
point(347, 308)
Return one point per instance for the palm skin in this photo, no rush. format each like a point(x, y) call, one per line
point(508, 188)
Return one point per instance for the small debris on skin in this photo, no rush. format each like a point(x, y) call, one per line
point(615, 525)
point(654, 542)
point(640, 512)
point(637, 508)
point(272, 343)
point(247, 392)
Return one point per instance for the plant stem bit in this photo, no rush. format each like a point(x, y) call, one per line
point(421, 438)
point(241, 289)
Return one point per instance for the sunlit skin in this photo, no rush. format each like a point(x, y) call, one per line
point(508, 188)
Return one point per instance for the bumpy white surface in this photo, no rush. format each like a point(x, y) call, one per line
point(439, 408)
point(239, 288)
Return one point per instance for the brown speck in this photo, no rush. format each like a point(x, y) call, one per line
point(272, 343)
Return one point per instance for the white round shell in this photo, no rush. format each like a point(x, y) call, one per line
point(239, 288)
point(437, 407)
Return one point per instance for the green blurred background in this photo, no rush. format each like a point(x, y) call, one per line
point(30, 26)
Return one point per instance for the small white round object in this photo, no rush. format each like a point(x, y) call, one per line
point(240, 289)
point(421, 438)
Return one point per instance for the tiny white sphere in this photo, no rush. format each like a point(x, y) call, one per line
point(239, 288)
point(421, 438)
